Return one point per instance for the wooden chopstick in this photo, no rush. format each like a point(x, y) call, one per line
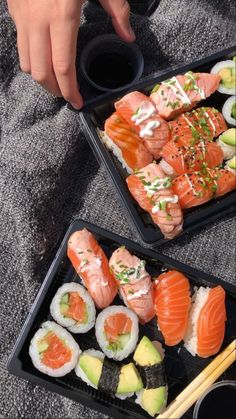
point(197, 387)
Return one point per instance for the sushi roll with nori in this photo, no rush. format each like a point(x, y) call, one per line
point(151, 368)
point(108, 376)
point(207, 317)
point(53, 350)
point(229, 110)
point(73, 308)
point(226, 71)
point(117, 331)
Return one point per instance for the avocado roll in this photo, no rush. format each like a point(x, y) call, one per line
point(227, 142)
point(117, 331)
point(229, 110)
point(226, 71)
point(151, 368)
point(73, 308)
point(53, 350)
point(108, 376)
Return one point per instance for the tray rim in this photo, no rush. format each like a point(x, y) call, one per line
point(14, 364)
point(227, 204)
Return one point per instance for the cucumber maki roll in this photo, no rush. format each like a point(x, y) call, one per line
point(73, 308)
point(117, 331)
point(151, 368)
point(227, 142)
point(226, 71)
point(108, 376)
point(53, 350)
point(229, 110)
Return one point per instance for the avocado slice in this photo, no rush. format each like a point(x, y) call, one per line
point(152, 400)
point(228, 77)
point(232, 163)
point(42, 346)
point(129, 380)
point(120, 343)
point(233, 111)
point(146, 353)
point(229, 137)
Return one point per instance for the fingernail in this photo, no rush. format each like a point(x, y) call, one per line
point(76, 105)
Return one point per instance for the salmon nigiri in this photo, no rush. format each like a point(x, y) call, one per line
point(125, 143)
point(197, 188)
point(181, 93)
point(201, 123)
point(172, 304)
point(134, 283)
point(206, 328)
point(151, 188)
point(91, 264)
point(179, 158)
point(140, 113)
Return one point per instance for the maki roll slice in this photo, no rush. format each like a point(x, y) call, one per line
point(151, 368)
point(229, 110)
point(227, 142)
point(117, 331)
point(108, 376)
point(91, 264)
point(227, 72)
point(73, 308)
point(53, 350)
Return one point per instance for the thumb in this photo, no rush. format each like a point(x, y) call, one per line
point(119, 12)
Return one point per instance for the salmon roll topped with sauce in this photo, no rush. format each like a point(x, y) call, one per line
point(181, 93)
point(53, 350)
point(201, 123)
point(152, 189)
point(73, 308)
point(134, 282)
point(91, 264)
point(117, 331)
point(141, 114)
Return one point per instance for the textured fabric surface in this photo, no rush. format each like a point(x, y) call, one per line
point(48, 176)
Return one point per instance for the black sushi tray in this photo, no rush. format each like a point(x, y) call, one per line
point(95, 113)
point(180, 366)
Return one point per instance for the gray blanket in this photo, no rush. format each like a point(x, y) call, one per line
point(48, 176)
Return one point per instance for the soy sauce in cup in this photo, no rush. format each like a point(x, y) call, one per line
point(109, 64)
point(111, 71)
point(218, 402)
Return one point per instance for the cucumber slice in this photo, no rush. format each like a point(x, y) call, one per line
point(65, 298)
point(64, 307)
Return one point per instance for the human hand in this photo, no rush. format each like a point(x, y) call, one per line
point(47, 32)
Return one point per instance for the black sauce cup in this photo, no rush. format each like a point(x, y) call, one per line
point(109, 64)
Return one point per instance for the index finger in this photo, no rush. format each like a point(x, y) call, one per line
point(119, 11)
point(64, 43)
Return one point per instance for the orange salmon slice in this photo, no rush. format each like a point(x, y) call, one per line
point(134, 153)
point(57, 354)
point(76, 308)
point(116, 325)
point(211, 323)
point(172, 303)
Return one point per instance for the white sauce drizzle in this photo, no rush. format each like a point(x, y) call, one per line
point(211, 122)
point(191, 185)
point(189, 122)
point(157, 184)
point(174, 199)
point(139, 293)
point(144, 112)
point(178, 90)
point(148, 129)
